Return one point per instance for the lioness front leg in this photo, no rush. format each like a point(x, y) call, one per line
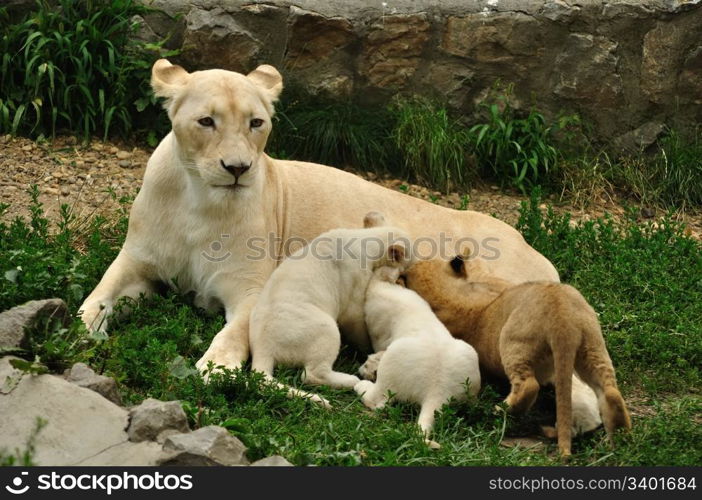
point(124, 278)
point(230, 347)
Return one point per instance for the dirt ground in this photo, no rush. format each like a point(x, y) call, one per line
point(83, 176)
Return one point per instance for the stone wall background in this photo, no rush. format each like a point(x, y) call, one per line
point(623, 66)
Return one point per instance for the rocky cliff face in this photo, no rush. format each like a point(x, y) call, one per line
point(621, 64)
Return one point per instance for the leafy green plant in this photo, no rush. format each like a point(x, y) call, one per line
point(520, 151)
point(73, 66)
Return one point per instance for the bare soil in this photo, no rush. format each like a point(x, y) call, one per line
point(89, 177)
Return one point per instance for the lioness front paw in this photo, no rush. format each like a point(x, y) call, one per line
point(214, 361)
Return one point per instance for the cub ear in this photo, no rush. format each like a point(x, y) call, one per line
point(458, 265)
point(373, 219)
point(167, 79)
point(398, 254)
point(268, 78)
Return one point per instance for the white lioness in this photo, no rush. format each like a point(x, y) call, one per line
point(418, 360)
point(214, 211)
point(316, 290)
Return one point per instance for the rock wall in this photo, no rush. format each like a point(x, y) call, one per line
point(621, 65)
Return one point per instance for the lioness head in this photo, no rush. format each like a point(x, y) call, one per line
point(221, 119)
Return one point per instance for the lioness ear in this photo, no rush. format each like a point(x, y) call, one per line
point(268, 78)
point(167, 79)
point(373, 219)
point(458, 265)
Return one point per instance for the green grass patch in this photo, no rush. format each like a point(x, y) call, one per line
point(643, 279)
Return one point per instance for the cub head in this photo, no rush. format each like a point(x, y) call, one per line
point(463, 275)
point(449, 276)
point(221, 119)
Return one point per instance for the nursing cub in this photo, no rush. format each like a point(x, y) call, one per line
point(417, 359)
point(314, 292)
point(532, 333)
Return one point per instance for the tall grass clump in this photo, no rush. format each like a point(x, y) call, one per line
point(338, 133)
point(435, 146)
point(72, 66)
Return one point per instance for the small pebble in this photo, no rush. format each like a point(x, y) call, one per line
point(125, 163)
point(65, 191)
point(648, 213)
point(123, 155)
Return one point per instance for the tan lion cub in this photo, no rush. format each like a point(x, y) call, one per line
point(532, 333)
point(417, 359)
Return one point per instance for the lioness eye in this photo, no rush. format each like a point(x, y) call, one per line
point(206, 121)
point(256, 122)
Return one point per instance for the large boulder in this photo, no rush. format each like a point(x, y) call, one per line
point(64, 424)
point(214, 39)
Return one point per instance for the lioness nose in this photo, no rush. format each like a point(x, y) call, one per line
point(235, 170)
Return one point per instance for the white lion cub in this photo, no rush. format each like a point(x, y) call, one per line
point(321, 285)
point(417, 359)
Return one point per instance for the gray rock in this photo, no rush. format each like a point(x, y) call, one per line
point(392, 49)
point(84, 376)
point(639, 139)
point(272, 461)
point(79, 423)
point(616, 64)
point(146, 453)
point(15, 321)
point(213, 38)
point(152, 418)
point(211, 445)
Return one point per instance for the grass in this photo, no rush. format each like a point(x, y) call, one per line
point(643, 279)
point(73, 66)
point(433, 144)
